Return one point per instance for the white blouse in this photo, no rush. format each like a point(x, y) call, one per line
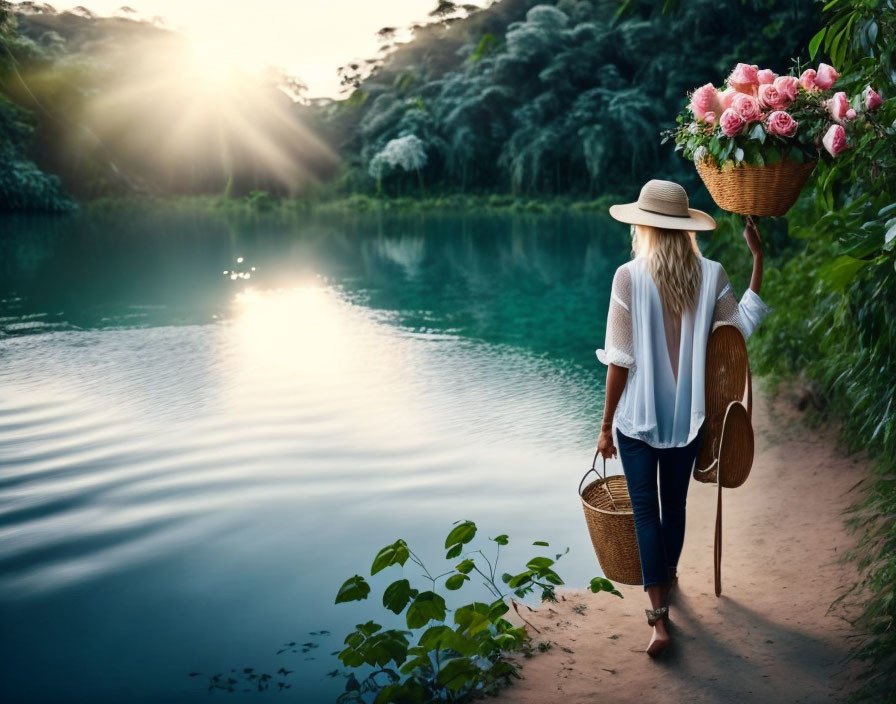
point(663, 400)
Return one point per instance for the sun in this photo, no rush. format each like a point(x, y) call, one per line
point(198, 108)
point(209, 62)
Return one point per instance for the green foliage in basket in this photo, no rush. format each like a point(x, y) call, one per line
point(445, 654)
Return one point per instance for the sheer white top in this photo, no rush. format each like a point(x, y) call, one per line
point(663, 400)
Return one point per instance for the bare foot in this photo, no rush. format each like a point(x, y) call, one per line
point(659, 641)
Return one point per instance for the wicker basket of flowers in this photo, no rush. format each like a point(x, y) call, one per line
point(756, 140)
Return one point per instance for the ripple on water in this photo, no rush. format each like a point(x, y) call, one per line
point(120, 445)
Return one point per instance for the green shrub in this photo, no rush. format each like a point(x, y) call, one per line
point(442, 658)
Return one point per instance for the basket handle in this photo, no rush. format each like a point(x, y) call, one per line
point(603, 476)
point(593, 469)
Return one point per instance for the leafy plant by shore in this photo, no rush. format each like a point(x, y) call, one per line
point(442, 658)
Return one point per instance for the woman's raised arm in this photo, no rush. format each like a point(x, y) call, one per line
point(751, 310)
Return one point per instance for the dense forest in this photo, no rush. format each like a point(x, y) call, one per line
point(531, 97)
point(518, 97)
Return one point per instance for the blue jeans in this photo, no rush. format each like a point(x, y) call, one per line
point(659, 540)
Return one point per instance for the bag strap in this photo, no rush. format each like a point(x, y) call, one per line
point(717, 545)
point(749, 392)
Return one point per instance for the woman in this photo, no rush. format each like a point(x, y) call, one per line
point(663, 306)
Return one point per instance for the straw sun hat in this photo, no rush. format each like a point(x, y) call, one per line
point(663, 204)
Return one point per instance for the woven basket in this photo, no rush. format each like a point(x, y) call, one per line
point(755, 190)
point(611, 524)
point(727, 361)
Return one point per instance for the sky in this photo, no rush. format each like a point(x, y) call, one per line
point(309, 38)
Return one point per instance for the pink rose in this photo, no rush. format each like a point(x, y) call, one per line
point(826, 77)
point(744, 77)
point(850, 114)
point(872, 100)
point(765, 76)
point(703, 100)
point(837, 106)
point(725, 98)
point(786, 86)
point(747, 107)
point(710, 117)
point(731, 122)
point(771, 97)
point(835, 140)
point(781, 123)
point(807, 79)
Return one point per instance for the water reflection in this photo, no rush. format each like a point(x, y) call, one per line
point(192, 464)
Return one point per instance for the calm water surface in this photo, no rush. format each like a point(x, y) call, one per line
point(192, 464)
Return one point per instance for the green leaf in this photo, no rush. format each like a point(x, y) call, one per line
point(757, 132)
point(456, 581)
point(841, 271)
point(738, 155)
point(541, 542)
point(454, 552)
point(891, 231)
point(420, 661)
point(886, 210)
point(368, 629)
point(520, 579)
point(550, 576)
point(435, 637)
point(497, 610)
point(397, 595)
point(599, 584)
point(465, 567)
point(815, 41)
point(729, 147)
point(461, 534)
point(350, 657)
point(354, 589)
point(426, 607)
point(501, 539)
point(473, 618)
point(456, 673)
point(442, 637)
point(390, 555)
point(537, 563)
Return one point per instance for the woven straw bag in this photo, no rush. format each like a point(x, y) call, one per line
point(755, 190)
point(729, 410)
point(726, 356)
point(611, 524)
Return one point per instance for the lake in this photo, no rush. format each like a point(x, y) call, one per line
point(208, 424)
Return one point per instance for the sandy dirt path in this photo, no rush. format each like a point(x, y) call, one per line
point(771, 636)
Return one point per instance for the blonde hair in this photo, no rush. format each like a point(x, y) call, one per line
point(673, 259)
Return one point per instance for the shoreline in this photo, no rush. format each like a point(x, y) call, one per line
point(766, 638)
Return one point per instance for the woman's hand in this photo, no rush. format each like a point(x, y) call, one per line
point(605, 445)
point(751, 235)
